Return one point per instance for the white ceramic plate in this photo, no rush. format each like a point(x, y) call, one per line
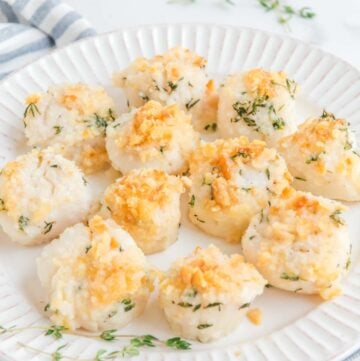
point(295, 327)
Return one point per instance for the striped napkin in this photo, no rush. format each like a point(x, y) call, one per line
point(30, 28)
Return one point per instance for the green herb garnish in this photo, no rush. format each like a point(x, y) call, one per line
point(204, 325)
point(286, 276)
point(58, 129)
point(48, 227)
point(335, 216)
point(23, 222)
point(244, 306)
point(55, 331)
point(212, 127)
point(31, 109)
point(191, 103)
point(129, 305)
point(192, 201)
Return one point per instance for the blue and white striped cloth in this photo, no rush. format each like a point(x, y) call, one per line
point(30, 28)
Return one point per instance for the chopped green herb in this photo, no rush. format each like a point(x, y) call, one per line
point(47, 307)
point(326, 114)
point(252, 237)
point(198, 219)
point(87, 249)
point(54, 166)
point(240, 154)
point(111, 114)
point(112, 314)
point(298, 289)
point(145, 98)
point(312, 158)
point(192, 201)
point(244, 306)
point(23, 222)
point(196, 307)
point(2, 205)
point(185, 304)
point(335, 216)
point(85, 181)
point(277, 122)
point(192, 293)
point(261, 215)
point(245, 111)
point(204, 325)
point(172, 85)
point(285, 276)
point(267, 172)
point(211, 127)
point(191, 103)
point(215, 304)
point(300, 179)
point(246, 189)
point(161, 150)
point(48, 227)
point(58, 129)
point(100, 122)
point(129, 305)
point(31, 109)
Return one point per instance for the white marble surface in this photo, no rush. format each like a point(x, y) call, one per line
point(336, 27)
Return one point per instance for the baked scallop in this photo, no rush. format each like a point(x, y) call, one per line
point(95, 277)
point(177, 76)
point(232, 180)
point(205, 295)
point(72, 118)
point(323, 158)
point(41, 193)
point(258, 104)
point(153, 136)
point(300, 243)
point(146, 203)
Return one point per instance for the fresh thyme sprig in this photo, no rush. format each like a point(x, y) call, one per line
point(135, 343)
point(286, 12)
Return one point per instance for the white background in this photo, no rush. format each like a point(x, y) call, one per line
point(336, 27)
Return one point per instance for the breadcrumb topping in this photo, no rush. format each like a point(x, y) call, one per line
point(133, 199)
point(317, 141)
point(154, 124)
point(263, 83)
point(208, 270)
point(111, 276)
point(255, 316)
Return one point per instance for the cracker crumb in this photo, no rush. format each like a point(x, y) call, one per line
point(255, 316)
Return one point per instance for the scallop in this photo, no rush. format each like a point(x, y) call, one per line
point(176, 77)
point(146, 203)
point(300, 243)
point(71, 118)
point(206, 294)
point(95, 277)
point(41, 193)
point(153, 136)
point(232, 180)
point(258, 104)
point(323, 157)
